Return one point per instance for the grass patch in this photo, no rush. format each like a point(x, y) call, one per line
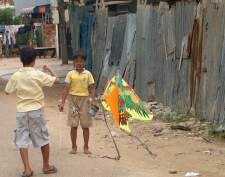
point(212, 131)
point(174, 117)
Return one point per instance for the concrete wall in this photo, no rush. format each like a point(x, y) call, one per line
point(49, 35)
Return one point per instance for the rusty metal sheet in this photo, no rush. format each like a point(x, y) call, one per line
point(210, 94)
point(184, 19)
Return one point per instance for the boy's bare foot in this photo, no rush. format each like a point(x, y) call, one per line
point(73, 151)
point(86, 151)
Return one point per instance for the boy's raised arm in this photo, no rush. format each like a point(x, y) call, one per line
point(52, 73)
point(10, 86)
point(4, 82)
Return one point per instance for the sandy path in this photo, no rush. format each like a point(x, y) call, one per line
point(78, 165)
point(174, 150)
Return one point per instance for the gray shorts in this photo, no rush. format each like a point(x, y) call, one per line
point(31, 128)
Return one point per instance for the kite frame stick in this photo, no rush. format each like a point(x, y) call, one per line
point(131, 135)
point(143, 145)
point(114, 142)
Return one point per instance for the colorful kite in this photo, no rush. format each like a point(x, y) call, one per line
point(123, 102)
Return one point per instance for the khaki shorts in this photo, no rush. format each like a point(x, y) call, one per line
point(31, 127)
point(78, 109)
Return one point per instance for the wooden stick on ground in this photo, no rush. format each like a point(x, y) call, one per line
point(143, 145)
point(114, 142)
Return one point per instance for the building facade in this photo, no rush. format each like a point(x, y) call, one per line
point(23, 4)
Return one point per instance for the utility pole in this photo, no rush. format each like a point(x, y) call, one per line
point(62, 32)
point(55, 16)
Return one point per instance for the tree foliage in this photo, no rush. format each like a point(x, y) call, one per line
point(7, 17)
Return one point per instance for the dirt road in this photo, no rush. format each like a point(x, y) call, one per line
point(174, 149)
point(78, 165)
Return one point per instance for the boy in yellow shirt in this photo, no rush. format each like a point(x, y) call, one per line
point(81, 90)
point(30, 122)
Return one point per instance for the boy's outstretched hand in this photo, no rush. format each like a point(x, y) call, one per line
point(47, 68)
point(61, 106)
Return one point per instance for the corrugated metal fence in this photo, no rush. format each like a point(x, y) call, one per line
point(160, 32)
point(175, 53)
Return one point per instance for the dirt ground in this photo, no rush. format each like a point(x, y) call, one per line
point(175, 150)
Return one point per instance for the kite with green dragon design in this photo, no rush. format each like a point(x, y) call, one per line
point(123, 102)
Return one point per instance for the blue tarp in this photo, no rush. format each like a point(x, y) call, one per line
point(87, 20)
point(2, 29)
point(46, 9)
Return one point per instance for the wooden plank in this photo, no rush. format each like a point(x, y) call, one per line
point(44, 48)
point(109, 3)
point(108, 68)
point(101, 31)
point(210, 95)
point(117, 43)
point(184, 19)
point(128, 41)
point(75, 28)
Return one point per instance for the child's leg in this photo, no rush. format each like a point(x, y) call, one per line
point(24, 157)
point(40, 137)
point(86, 122)
point(73, 135)
point(73, 121)
point(45, 156)
point(47, 169)
point(22, 140)
point(86, 135)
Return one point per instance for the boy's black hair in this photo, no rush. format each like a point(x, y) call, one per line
point(27, 55)
point(80, 54)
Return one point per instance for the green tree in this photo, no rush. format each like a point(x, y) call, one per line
point(18, 20)
point(7, 17)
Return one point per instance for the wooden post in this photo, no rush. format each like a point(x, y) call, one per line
point(138, 2)
point(62, 33)
point(96, 5)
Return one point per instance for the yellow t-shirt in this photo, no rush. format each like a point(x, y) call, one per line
point(79, 82)
point(28, 83)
